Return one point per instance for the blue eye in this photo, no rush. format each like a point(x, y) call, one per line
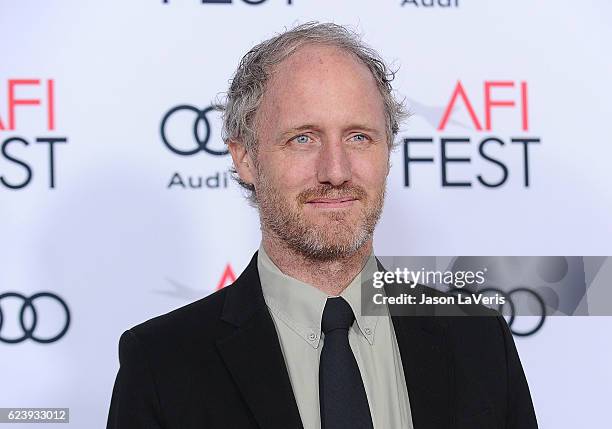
point(362, 137)
point(302, 139)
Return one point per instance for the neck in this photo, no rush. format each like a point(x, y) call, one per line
point(330, 277)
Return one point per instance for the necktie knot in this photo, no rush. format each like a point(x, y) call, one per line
point(337, 314)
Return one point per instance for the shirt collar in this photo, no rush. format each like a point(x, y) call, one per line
point(300, 305)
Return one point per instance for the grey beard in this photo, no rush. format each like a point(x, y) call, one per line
point(315, 243)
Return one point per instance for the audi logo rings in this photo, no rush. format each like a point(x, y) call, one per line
point(513, 307)
point(201, 142)
point(28, 332)
point(508, 295)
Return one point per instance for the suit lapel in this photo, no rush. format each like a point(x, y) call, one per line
point(255, 360)
point(428, 371)
point(426, 360)
point(253, 355)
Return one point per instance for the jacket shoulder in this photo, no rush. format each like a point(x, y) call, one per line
point(194, 322)
point(194, 328)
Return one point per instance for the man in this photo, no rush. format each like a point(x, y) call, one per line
point(309, 120)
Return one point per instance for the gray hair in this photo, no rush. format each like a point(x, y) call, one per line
point(248, 84)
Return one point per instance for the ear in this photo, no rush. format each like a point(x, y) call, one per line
point(243, 163)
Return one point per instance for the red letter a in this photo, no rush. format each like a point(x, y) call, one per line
point(459, 92)
point(228, 277)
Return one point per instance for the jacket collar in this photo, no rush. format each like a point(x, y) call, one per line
point(253, 355)
point(254, 358)
point(426, 359)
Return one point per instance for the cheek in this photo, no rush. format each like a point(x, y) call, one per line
point(370, 171)
point(289, 176)
point(294, 171)
point(298, 174)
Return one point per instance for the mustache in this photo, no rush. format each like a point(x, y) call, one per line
point(330, 191)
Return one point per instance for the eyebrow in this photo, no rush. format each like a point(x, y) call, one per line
point(293, 130)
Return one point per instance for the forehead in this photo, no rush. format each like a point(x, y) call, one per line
point(324, 85)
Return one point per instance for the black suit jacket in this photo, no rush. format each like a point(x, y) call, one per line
point(217, 363)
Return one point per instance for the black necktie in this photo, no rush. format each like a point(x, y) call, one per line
point(342, 396)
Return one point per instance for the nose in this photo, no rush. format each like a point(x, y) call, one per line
point(333, 163)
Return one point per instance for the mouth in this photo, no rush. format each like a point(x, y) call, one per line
point(332, 203)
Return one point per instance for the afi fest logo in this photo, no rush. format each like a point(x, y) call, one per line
point(488, 157)
point(31, 106)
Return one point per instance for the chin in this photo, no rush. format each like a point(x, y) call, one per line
point(325, 217)
point(335, 248)
point(329, 237)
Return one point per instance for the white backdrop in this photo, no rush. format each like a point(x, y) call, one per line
point(119, 246)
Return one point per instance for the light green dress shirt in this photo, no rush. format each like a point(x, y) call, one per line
point(297, 308)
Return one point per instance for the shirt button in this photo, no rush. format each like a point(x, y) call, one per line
point(368, 331)
point(312, 336)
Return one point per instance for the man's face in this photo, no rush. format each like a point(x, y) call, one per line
point(323, 156)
